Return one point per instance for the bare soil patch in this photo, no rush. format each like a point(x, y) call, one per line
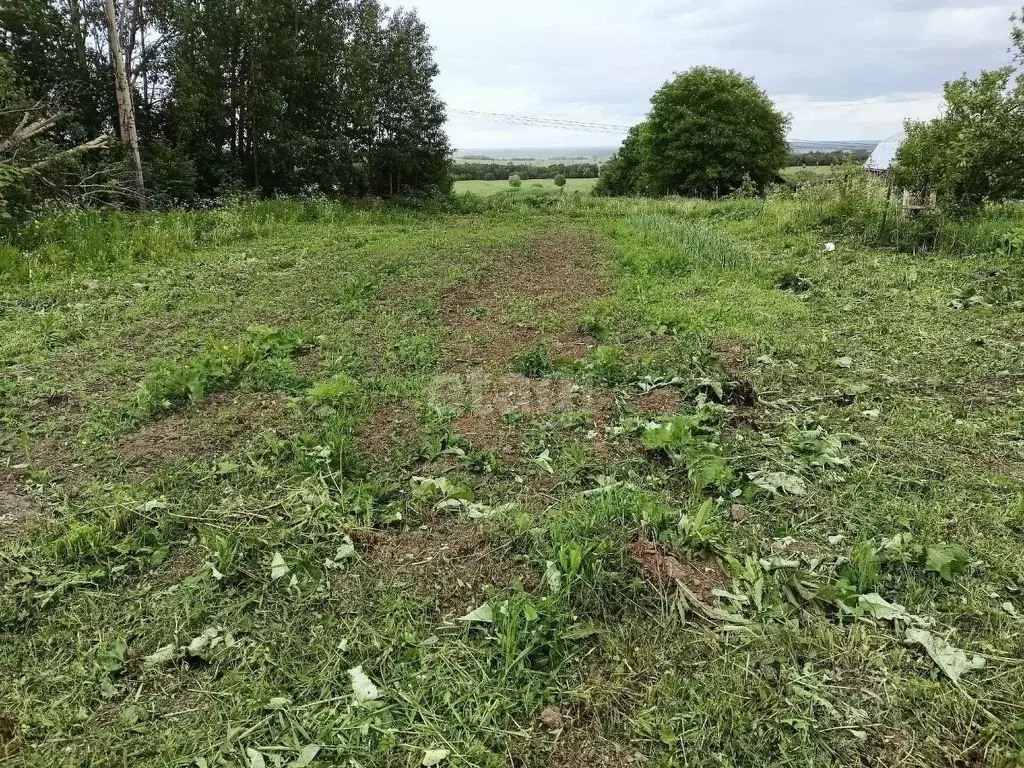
point(733, 355)
point(220, 423)
point(391, 433)
point(588, 748)
point(181, 564)
point(700, 573)
point(16, 512)
point(486, 426)
point(664, 400)
point(738, 389)
point(484, 432)
point(450, 562)
point(557, 275)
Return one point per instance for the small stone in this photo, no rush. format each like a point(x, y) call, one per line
point(739, 513)
point(551, 718)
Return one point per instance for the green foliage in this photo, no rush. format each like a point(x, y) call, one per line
point(679, 247)
point(971, 154)
point(709, 128)
point(707, 131)
point(515, 181)
point(226, 101)
point(701, 528)
point(608, 366)
point(302, 125)
point(470, 171)
point(947, 561)
point(74, 240)
point(559, 181)
point(691, 442)
point(170, 385)
point(623, 174)
point(534, 362)
point(332, 390)
point(827, 159)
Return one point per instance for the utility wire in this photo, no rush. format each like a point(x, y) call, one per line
point(579, 126)
point(543, 122)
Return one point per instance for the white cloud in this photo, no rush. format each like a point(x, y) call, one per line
point(852, 70)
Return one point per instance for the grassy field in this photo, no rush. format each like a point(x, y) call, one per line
point(820, 170)
point(808, 172)
point(532, 482)
point(494, 187)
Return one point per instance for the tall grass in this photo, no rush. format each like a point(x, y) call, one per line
point(859, 208)
point(678, 235)
point(854, 207)
point(73, 240)
point(673, 246)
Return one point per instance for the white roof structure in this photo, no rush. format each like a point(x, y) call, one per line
point(884, 156)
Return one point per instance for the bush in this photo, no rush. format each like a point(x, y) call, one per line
point(559, 181)
point(623, 174)
point(170, 174)
point(972, 153)
point(708, 131)
point(515, 181)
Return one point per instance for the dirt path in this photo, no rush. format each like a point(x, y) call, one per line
point(532, 297)
point(556, 277)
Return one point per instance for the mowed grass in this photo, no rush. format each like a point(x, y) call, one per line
point(587, 483)
point(818, 170)
point(494, 187)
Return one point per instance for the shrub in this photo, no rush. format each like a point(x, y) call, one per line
point(623, 173)
point(515, 181)
point(559, 180)
point(708, 131)
point(972, 153)
point(710, 128)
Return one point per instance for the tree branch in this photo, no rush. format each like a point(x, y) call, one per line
point(26, 130)
point(100, 142)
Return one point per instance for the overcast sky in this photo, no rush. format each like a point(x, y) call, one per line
point(845, 69)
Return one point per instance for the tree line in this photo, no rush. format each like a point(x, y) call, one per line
point(273, 96)
point(527, 171)
point(839, 157)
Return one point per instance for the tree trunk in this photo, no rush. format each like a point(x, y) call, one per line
point(125, 111)
point(132, 29)
point(78, 33)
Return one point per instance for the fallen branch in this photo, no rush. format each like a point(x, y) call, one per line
point(27, 130)
point(100, 142)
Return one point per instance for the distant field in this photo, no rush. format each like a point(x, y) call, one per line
point(533, 160)
point(816, 170)
point(493, 187)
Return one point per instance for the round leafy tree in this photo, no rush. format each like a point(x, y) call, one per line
point(559, 180)
point(707, 129)
point(623, 174)
point(514, 181)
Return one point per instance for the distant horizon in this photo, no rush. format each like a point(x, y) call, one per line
point(841, 71)
point(595, 151)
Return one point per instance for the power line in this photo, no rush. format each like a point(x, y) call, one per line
point(579, 126)
point(543, 122)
